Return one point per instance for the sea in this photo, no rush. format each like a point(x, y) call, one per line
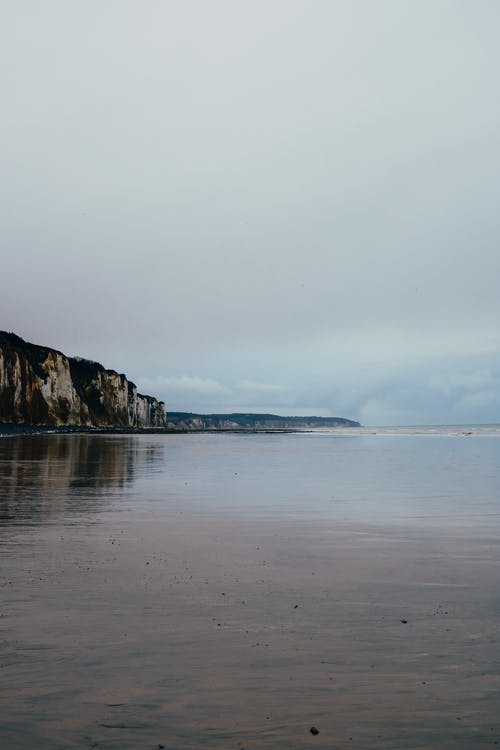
point(323, 589)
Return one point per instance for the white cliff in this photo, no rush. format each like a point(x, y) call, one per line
point(39, 385)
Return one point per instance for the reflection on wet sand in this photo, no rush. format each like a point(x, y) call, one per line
point(45, 476)
point(200, 625)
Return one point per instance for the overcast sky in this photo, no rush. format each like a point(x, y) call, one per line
point(259, 205)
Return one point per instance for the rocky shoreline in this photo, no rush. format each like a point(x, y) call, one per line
point(27, 429)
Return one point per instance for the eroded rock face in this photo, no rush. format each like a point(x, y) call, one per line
point(39, 385)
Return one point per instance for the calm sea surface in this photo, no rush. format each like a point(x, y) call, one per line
point(232, 591)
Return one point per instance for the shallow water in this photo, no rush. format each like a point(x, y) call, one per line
point(232, 591)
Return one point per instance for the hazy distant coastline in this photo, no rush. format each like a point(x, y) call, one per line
point(43, 390)
point(187, 421)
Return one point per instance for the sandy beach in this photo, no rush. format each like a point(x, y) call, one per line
point(137, 612)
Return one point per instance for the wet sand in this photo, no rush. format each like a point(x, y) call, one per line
point(131, 618)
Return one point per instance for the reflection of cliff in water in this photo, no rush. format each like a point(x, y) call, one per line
point(52, 475)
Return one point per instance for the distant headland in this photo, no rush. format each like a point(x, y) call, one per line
point(185, 421)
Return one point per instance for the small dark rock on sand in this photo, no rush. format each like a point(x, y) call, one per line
point(314, 731)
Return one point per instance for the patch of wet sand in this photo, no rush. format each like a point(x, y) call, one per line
point(186, 632)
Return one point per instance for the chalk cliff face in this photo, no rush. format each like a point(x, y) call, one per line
point(39, 385)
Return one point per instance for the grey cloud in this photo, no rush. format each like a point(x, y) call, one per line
point(294, 193)
point(252, 385)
